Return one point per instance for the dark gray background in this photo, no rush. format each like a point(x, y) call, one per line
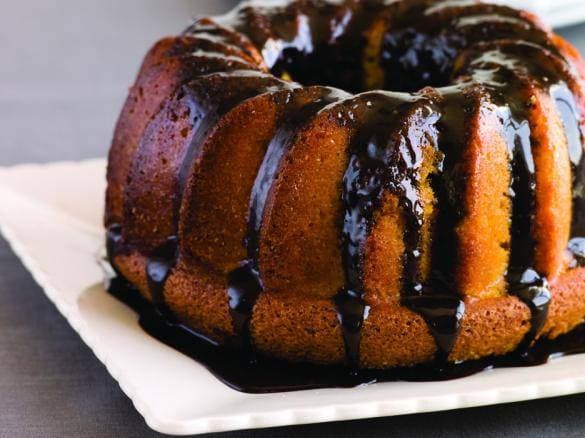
point(64, 70)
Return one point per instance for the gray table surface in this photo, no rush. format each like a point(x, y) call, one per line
point(64, 71)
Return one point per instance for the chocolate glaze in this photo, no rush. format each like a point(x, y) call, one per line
point(443, 314)
point(244, 286)
point(113, 240)
point(425, 37)
point(319, 42)
point(385, 158)
point(315, 42)
point(211, 29)
point(524, 282)
point(577, 247)
point(372, 170)
point(533, 290)
point(245, 283)
point(565, 103)
point(352, 311)
point(441, 302)
point(204, 112)
point(158, 269)
point(413, 59)
point(504, 70)
point(259, 374)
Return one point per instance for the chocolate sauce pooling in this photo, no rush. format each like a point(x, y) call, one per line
point(259, 374)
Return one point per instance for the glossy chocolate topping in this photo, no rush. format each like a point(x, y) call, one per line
point(245, 282)
point(386, 159)
point(158, 269)
point(475, 54)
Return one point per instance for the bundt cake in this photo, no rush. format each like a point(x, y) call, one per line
point(371, 183)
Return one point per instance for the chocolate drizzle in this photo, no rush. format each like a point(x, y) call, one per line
point(504, 71)
point(318, 42)
point(440, 301)
point(352, 311)
point(435, 298)
point(205, 111)
point(113, 240)
point(565, 103)
point(245, 283)
point(244, 287)
point(372, 170)
point(524, 282)
point(532, 290)
point(577, 248)
point(443, 314)
point(386, 157)
point(314, 42)
point(158, 269)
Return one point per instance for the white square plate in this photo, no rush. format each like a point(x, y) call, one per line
point(51, 215)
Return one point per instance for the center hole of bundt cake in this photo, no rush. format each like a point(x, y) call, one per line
point(407, 60)
point(412, 60)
